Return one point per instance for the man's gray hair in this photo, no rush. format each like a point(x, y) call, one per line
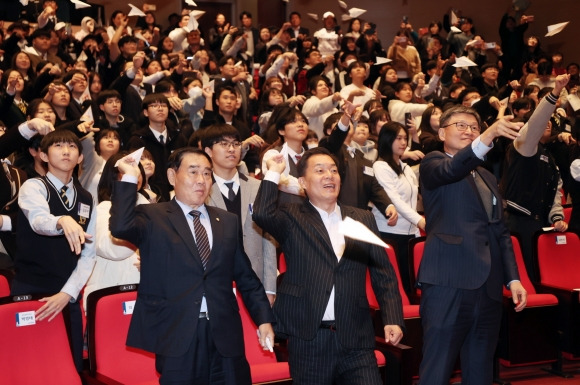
point(459, 109)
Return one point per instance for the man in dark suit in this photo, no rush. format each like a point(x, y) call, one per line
point(468, 253)
point(299, 32)
point(186, 311)
point(321, 304)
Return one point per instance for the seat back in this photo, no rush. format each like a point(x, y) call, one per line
point(34, 352)
point(558, 259)
point(524, 278)
point(416, 248)
point(5, 281)
point(264, 366)
point(567, 213)
point(109, 313)
point(369, 289)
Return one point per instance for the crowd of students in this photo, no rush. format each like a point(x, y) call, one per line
point(107, 90)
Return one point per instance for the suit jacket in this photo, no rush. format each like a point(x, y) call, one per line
point(367, 186)
point(258, 245)
point(313, 269)
point(173, 280)
point(464, 249)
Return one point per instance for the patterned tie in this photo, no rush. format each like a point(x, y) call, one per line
point(231, 193)
point(21, 106)
point(63, 196)
point(202, 242)
point(162, 140)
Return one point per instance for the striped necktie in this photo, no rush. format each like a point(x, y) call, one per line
point(201, 240)
point(63, 196)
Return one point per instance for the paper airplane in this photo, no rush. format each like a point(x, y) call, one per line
point(556, 28)
point(87, 116)
point(196, 13)
point(455, 29)
point(454, 18)
point(136, 155)
point(192, 25)
point(210, 86)
point(24, 2)
point(356, 230)
point(382, 60)
point(134, 11)
point(191, 2)
point(79, 4)
point(574, 101)
point(239, 63)
point(140, 36)
point(504, 101)
point(313, 16)
point(471, 42)
point(463, 61)
point(342, 4)
point(356, 12)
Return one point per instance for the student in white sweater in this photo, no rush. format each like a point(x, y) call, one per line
point(117, 261)
point(321, 104)
point(401, 185)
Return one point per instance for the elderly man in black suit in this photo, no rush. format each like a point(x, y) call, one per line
point(186, 312)
point(468, 253)
point(321, 304)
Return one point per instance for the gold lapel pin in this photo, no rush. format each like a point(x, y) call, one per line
point(217, 219)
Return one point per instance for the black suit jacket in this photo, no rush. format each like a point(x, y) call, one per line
point(173, 280)
point(367, 186)
point(464, 249)
point(312, 270)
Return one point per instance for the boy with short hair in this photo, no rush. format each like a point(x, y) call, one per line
point(56, 222)
point(360, 139)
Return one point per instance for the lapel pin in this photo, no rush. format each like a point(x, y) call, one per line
point(217, 219)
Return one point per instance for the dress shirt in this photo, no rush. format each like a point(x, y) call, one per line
point(158, 134)
point(33, 202)
point(221, 182)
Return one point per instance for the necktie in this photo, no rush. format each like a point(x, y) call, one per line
point(21, 106)
point(63, 196)
point(162, 140)
point(201, 240)
point(297, 157)
point(231, 193)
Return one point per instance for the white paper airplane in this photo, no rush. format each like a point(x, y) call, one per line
point(455, 29)
point(356, 12)
point(136, 155)
point(574, 101)
point(191, 2)
point(454, 18)
point(556, 28)
point(24, 2)
point(140, 36)
point(356, 230)
point(79, 4)
point(313, 16)
point(134, 11)
point(382, 60)
point(192, 25)
point(210, 86)
point(87, 116)
point(463, 61)
point(196, 13)
point(342, 4)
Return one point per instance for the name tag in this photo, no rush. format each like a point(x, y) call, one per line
point(25, 318)
point(128, 307)
point(561, 239)
point(369, 171)
point(544, 158)
point(84, 210)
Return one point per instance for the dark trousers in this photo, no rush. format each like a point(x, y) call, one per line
point(203, 364)
point(458, 321)
point(525, 227)
point(323, 361)
point(400, 243)
point(75, 321)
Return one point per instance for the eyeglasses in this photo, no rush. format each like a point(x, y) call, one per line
point(462, 126)
point(226, 145)
point(158, 106)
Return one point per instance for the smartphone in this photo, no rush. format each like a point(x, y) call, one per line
point(408, 117)
point(489, 45)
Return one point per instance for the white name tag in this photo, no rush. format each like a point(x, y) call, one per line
point(128, 307)
point(84, 210)
point(544, 158)
point(369, 171)
point(25, 318)
point(561, 239)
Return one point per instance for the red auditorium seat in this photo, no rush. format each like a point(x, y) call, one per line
point(35, 353)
